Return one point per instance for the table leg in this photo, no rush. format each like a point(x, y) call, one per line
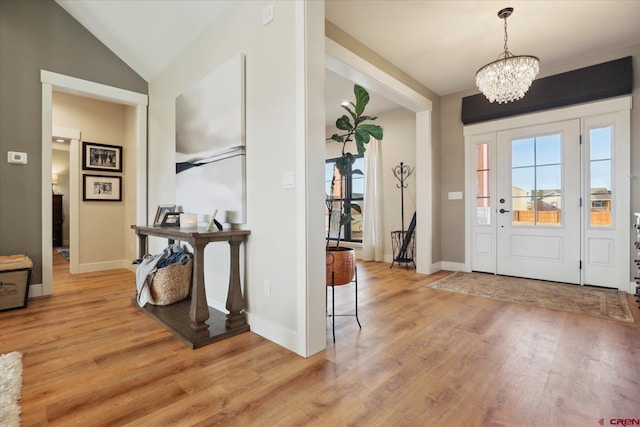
point(199, 309)
point(235, 300)
point(142, 244)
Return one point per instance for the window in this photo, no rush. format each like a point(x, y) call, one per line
point(483, 189)
point(351, 191)
point(536, 178)
point(600, 142)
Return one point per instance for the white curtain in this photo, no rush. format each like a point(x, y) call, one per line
point(372, 240)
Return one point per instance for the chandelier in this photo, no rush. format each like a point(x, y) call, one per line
point(509, 77)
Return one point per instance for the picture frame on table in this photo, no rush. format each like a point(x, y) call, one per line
point(101, 157)
point(162, 209)
point(101, 188)
point(170, 219)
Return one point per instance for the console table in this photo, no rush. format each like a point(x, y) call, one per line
point(192, 320)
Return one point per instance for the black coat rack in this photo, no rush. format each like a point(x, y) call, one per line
point(402, 242)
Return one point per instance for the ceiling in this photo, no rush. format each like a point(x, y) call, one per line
point(439, 43)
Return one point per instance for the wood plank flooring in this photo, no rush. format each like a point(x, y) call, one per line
point(424, 357)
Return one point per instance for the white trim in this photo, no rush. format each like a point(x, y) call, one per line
point(454, 266)
point(347, 64)
point(46, 226)
point(85, 88)
point(53, 81)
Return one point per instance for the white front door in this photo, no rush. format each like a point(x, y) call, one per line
point(538, 202)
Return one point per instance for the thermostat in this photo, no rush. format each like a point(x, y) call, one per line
point(16, 157)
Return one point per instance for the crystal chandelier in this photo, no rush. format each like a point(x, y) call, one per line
point(509, 77)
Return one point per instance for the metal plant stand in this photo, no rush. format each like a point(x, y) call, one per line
point(403, 242)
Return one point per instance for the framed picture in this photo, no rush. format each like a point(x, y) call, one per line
point(102, 188)
point(170, 219)
point(161, 211)
point(101, 157)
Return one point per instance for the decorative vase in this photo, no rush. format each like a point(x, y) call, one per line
point(341, 265)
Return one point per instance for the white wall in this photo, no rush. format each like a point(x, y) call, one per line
point(398, 145)
point(275, 215)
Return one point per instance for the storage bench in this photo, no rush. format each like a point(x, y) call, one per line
point(15, 278)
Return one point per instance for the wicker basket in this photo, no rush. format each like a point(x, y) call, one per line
point(171, 284)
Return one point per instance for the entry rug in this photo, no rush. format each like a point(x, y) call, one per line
point(587, 300)
point(10, 388)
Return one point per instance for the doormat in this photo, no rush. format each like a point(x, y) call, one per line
point(64, 251)
point(586, 300)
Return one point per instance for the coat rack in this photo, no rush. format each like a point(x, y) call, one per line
point(402, 241)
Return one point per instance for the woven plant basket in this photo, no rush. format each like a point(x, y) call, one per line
point(171, 284)
point(341, 265)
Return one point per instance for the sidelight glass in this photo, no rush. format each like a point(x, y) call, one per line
point(600, 173)
point(483, 185)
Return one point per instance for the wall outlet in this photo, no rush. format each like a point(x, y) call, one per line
point(267, 288)
point(267, 14)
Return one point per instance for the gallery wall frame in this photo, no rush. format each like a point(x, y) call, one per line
point(102, 188)
point(101, 157)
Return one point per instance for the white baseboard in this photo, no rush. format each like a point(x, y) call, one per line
point(632, 288)
point(453, 266)
point(105, 265)
point(35, 290)
point(273, 332)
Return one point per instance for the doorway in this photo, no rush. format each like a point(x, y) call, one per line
point(53, 81)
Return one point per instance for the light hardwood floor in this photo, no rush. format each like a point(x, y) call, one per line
point(424, 357)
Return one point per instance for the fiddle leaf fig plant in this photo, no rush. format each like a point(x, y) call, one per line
point(355, 129)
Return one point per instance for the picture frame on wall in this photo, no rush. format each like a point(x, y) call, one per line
point(102, 188)
point(101, 157)
point(160, 213)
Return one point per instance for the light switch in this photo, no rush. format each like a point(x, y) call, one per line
point(455, 195)
point(287, 180)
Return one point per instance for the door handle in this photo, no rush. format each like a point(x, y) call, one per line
point(503, 211)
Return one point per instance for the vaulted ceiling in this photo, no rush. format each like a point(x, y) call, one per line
point(439, 43)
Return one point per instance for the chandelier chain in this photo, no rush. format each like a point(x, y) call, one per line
point(506, 49)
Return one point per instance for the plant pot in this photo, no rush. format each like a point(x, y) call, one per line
point(341, 265)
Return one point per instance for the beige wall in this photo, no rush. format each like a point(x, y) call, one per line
point(103, 226)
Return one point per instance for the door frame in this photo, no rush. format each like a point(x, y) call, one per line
point(62, 83)
point(612, 105)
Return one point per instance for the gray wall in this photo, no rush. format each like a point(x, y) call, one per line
point(35, 35)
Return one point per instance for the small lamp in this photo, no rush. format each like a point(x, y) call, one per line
point(54, 181)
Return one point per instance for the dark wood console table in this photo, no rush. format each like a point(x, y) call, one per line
point(192, 320)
